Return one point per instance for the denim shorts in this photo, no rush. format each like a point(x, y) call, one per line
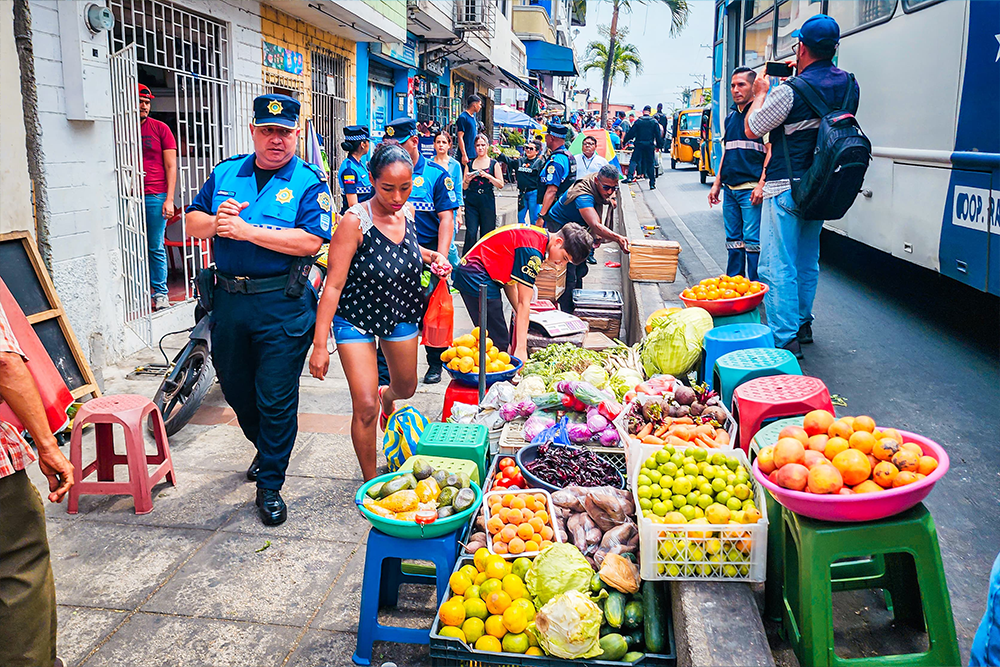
point(345, 332)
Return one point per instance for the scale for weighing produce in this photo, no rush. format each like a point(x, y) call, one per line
point(558, 323)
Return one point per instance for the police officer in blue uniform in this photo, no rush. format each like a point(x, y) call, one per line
point(268, 213)
point(355, 185)
point(434, 201)
point(560, 170)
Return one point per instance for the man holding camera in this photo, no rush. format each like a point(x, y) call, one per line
point(789, 262)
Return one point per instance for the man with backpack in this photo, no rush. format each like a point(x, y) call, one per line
point(818, 160)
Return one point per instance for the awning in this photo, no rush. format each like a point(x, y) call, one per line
point(550, 58)
point(516, 80)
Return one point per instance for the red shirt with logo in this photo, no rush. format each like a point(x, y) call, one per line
point(508, 254)
point(156, 138)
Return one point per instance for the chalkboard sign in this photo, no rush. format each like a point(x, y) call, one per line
point(24, 274)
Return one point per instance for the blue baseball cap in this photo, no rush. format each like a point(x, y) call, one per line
point(276, 110)
point(820, 31)
point(557, 130)
point(401, 129)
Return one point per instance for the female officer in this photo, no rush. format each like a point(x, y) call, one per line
point(353, 174)
point(373, 289)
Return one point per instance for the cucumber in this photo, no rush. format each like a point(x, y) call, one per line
point(653, 625)
point(394, 485)
point(596, 585)
point(633, 656)
point(373, 491)
point(633, 614)
point(614, 609)
point(614, 647)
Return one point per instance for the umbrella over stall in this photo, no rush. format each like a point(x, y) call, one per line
point(506, 116)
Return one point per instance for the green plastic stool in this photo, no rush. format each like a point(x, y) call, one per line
point(918, 586)
point(456, 441)
point(752, 317)
point(734, 368)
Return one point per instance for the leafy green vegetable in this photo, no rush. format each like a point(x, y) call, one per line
point(595, 375)
point(675, 346)
point(569, 626)
point(559, 568)
point(623, 380)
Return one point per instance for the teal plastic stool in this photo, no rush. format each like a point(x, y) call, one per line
point(456, 441)
point(731, 337)
point(734, 368)
point(752, 317)
point(907, 547)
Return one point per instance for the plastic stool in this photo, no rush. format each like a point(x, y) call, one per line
point(384, 575)
point(456, 441)
point(734, 368)
point(749, 317)
point(720, 340)
point(458, 392)
point(768, 435)
point(775, 396)
point(913, 573)
point(130, 411)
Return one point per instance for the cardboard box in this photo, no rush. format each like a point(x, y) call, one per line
point(551, 282)
point(653, 261)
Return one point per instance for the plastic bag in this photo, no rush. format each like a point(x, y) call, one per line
point(620, 573)
point(557, 569)
point(569, 626)
point(556, 434)
point(402, 432)
point(439, 320)
point(618, 540)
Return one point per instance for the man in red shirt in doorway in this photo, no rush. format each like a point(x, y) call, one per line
point(159, 160)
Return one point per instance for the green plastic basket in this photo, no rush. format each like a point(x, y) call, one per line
point(457, 441)
point(407, 529)
point(452, 465)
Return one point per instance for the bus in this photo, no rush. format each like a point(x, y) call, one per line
point(929, 72)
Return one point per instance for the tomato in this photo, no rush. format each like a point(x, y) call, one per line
point(567, 401)
point(506, 462)
point(509, 472)
point(517, 480)
point(501, 483)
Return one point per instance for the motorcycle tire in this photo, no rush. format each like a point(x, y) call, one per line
point(179, 404)
point(673, 163)
point(704, 176)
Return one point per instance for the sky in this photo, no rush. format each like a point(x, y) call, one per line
point(668, 62)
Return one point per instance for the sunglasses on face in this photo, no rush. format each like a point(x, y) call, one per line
point(606, 188)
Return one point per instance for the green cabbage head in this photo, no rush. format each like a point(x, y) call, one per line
point(674, 346)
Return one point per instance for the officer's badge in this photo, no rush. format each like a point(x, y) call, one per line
point(448, 183)
point(323, 199)
point(274, 107)
point(418, 181)
point(284, 196)
point(533, 266)
point(324, 221)
point(551, 169)
point(389, 131)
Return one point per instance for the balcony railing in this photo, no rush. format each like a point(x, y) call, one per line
point(476, 16)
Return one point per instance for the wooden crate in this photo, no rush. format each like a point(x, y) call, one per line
point(604, 320)
point(551, 282)
point(653, 260)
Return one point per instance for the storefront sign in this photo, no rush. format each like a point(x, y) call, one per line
point(405, 53)
point(284, 59)
point(410, 102)
point(434, 64)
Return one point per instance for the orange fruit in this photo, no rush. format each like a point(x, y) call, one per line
point(755, 288)
point(903, 478)
point(853, 466)
point(789, 450)
point(927, 465)
point(885, 448)
point(525, 531)
point(835, 446)
point(840, 429)
point(892, 433)
point(906, 460)
point(514, 516)
point(913, 447)
point(863, 423)
point(867, 486)
point(497, 602)
point(863, 441)
point(883, 474)
point(825, 479)
point(515, 546)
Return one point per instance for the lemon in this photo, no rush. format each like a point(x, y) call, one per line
point(525, 605)
point(474, 628)
point(475, 333)
point(457, 633)
point(489, 587)
point(482, 554)
point(471, 593)
point(494, 626)
point(476, 608)
point(504, 357)
point(454, 364)
point(488, 643)
point(515, 643)
point(514, 587)
point(465, 364)
point(515, 620)
point(534, 650)
point(469, 570)
point(497, 567)
point(492, 353)
point(459, 582)
point(452, 612)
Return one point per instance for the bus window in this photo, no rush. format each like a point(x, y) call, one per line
point(791, 15)
point(852, 15)
point(755, 8)
point(914, 5)
point(758, 37)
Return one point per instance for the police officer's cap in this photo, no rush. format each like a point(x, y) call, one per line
point(647, 108)
point(356, 133)
point(557, 130)
point(819, 31)
point(401, 129)
point(276, 110)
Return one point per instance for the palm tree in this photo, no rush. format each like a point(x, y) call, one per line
point(625, 62)
point(678, 19)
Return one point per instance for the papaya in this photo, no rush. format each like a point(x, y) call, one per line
point(401, 501)
point(614, 647)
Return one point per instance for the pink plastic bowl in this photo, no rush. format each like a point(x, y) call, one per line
point(866, 506)
point(721, 307)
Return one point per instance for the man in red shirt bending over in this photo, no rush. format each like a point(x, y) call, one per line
point(159, 160)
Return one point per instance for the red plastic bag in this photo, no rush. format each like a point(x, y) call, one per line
point(439, 320)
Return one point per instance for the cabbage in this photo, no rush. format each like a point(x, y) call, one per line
point(675, 346)
point(570, 376)
point(529, 387)
point(595, 375)
point(509, 411)
point(624, 380)
point(557, 569)
point(569, 626)
point(536, 423)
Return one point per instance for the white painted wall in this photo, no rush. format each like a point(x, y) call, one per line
point(79, 163)
point(15, 202)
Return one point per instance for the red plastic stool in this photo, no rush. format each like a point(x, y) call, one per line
point(130, 411)
point(773, 397)
point(458, 392)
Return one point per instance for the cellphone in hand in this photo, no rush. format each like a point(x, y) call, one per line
point(778, 69)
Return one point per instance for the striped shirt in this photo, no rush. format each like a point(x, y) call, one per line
point(15, 453)
point(770, 116)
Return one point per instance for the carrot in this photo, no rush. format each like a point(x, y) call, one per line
point(705, 441)
point(683, 420)
point(684, 432)
point(676, 442)
point(644, 431)
point(722, 436)
point(652, 440)
point(705, 429)
point(660, 432)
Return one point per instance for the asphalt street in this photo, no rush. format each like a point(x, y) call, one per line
point(909, 347)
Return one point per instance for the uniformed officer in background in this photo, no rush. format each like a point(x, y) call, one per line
point(435, 202)
point(560, 170)
point(648, 137)
point(268, 214)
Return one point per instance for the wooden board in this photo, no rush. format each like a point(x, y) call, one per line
point(26, 277)
point(653, 260)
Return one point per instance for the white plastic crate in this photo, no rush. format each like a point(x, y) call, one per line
point(683, 552)
point(550, 509)
point(511, 438)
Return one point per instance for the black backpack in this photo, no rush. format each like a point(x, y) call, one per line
point(829, 187)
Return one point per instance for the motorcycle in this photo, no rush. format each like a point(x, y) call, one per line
point(189, 377)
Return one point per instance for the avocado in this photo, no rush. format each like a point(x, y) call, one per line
point(463, 500)
point(447, 496)
point(421, 469)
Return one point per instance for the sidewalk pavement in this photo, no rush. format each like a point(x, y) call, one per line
point(199, 580)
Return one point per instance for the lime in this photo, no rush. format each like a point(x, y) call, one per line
point(730, 478)
point(729, 571)
point(655, 491)
point(696, 553)
point(659, 509)
point(666, 482)
point(474, 628)
point(682, 486)
point(643, 480)
point(472, 593)
point(515, 643)
point(449, 631)
point(718, 484)
point(668, 503)
point(718, 459)
point(722, 497)
point(699, 513)
point(662, 456)
point(700, 479)
point(669, 468)
point(654, 476)
point(709, 472)
point(698, 453)
point(677, 459)
point(678, 501)
point(673, 570)
point(706, 489)
point(731, 489)
point(741, 491)
point(480, 578)
point(650, 463)
point(475, 608)
point(689, 459)
point(645, 503)
point(692, 498)
point(734, 504)
point(687, 511)
point(732, 463)
point(644, 491)
point(713, 546)
point(691, 469)
point(704, 500)
point(669, 449)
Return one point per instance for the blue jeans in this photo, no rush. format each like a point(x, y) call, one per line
point(529, 209)
point(156, 225)
point(789, 265)
point(986, 644)
point(742, 233)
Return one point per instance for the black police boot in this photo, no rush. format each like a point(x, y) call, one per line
point(271, 507)
point(253, 469)
point(794, 348)
point(433, 376)
point(805, 333)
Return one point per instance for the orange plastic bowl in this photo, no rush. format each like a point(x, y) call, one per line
point(720, 307)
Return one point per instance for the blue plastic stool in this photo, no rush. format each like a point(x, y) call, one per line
point(734, 368)
point(384, 575)
point(731, 337)
point(749, 317)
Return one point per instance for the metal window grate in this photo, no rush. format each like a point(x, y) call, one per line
point(330, 76)
point(478, 16)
